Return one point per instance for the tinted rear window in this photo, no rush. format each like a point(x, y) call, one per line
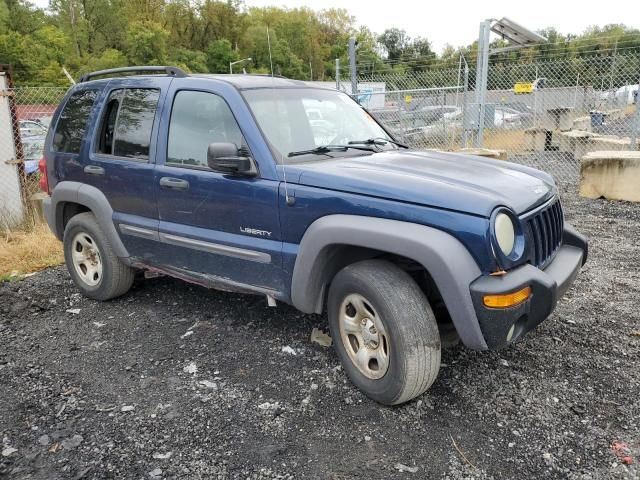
point(73, 121)
point(135, 122)
point(127, 123)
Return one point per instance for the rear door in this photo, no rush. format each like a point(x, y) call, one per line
point(122, 156)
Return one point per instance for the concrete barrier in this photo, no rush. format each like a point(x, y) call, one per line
point(582, 123)
point(614, 175)
point(609, 143)
point(535, 139)
point(576, 142)
point(485, 152)
point(615, 114)
point(559, 118)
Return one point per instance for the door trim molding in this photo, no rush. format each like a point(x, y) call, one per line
point(138, 232)
point(216, 248)
point(209, 247)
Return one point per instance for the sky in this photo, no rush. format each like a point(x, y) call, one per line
point(457, 23)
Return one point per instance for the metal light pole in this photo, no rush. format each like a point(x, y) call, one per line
point(231, 64)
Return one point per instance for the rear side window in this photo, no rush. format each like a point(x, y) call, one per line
point(73, 122)
point(127, 123)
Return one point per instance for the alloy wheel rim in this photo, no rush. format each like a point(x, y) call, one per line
point(86, 259)
point(364, 337)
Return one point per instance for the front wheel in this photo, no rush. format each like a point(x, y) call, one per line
point(384, 331)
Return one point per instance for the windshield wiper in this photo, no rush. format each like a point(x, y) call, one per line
point(329, 148)
point(377, 141)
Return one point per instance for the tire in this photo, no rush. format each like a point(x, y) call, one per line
point(91, 261)
point(401, 355)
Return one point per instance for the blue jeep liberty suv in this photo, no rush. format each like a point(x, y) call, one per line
point(269, 186)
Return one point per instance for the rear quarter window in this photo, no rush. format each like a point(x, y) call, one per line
point(73, 122)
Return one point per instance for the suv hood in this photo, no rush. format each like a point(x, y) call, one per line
point(452, 181)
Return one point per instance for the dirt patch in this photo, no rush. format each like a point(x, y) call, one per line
point(175, 381)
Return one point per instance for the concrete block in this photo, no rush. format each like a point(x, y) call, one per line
point(615, 114)
point(535, 139)
point(576, 142)
point(611, 143)
point(582, 123)
point(485, 152)
point(614, 175)
point(560, 118)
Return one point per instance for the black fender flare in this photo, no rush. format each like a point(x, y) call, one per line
point(448, 262)
point(87, 196)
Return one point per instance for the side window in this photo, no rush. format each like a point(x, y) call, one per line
point(73, 122)
point(198, 119)
point(127, 123)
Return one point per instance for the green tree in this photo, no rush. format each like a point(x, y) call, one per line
point(395, 42)
point(146, 43)
point(190, 60)
point(219, 54)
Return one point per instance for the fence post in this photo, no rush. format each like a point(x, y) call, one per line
point(352, 63)
point(633, 144)
point(481, 78)
point(465, 120)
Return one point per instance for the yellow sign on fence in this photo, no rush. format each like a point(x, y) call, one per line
point(523, 87)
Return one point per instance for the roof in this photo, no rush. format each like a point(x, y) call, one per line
point(240, 81)
point(246, 81)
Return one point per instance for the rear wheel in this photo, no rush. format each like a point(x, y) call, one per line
point(91, 261)
point(384, 331)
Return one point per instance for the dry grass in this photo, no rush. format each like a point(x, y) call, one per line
point(29, 250)
point(512, 141)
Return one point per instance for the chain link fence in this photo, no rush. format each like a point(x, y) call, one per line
point(547, 115)
point(566, 109)
point(25, 114)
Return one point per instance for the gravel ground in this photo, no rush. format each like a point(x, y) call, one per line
point(175, 381)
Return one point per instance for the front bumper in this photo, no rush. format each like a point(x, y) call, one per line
point(502, 326)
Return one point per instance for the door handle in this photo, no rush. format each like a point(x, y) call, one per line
point(94, 170)
point(174, 183)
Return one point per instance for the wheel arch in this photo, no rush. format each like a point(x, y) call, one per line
point(71, 198)
point(334, 241)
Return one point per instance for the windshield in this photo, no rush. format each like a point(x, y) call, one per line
point(299, 119)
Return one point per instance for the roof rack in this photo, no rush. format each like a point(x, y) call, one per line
point(171, 71)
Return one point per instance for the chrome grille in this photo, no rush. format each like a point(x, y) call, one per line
point(545, 233)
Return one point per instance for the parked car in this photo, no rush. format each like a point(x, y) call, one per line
point(506, 117)
point(32, 149)
point(32, 128)
point(218, 180)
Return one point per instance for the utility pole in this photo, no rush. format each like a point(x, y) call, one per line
point(310, 71)
point(337, 74)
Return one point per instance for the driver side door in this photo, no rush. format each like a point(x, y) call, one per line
point(213, 225)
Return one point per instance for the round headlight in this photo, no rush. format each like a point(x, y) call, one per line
point(505, 233)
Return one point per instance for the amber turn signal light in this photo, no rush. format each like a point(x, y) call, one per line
point(507, 300)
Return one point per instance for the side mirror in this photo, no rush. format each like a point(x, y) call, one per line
point(227, 158)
